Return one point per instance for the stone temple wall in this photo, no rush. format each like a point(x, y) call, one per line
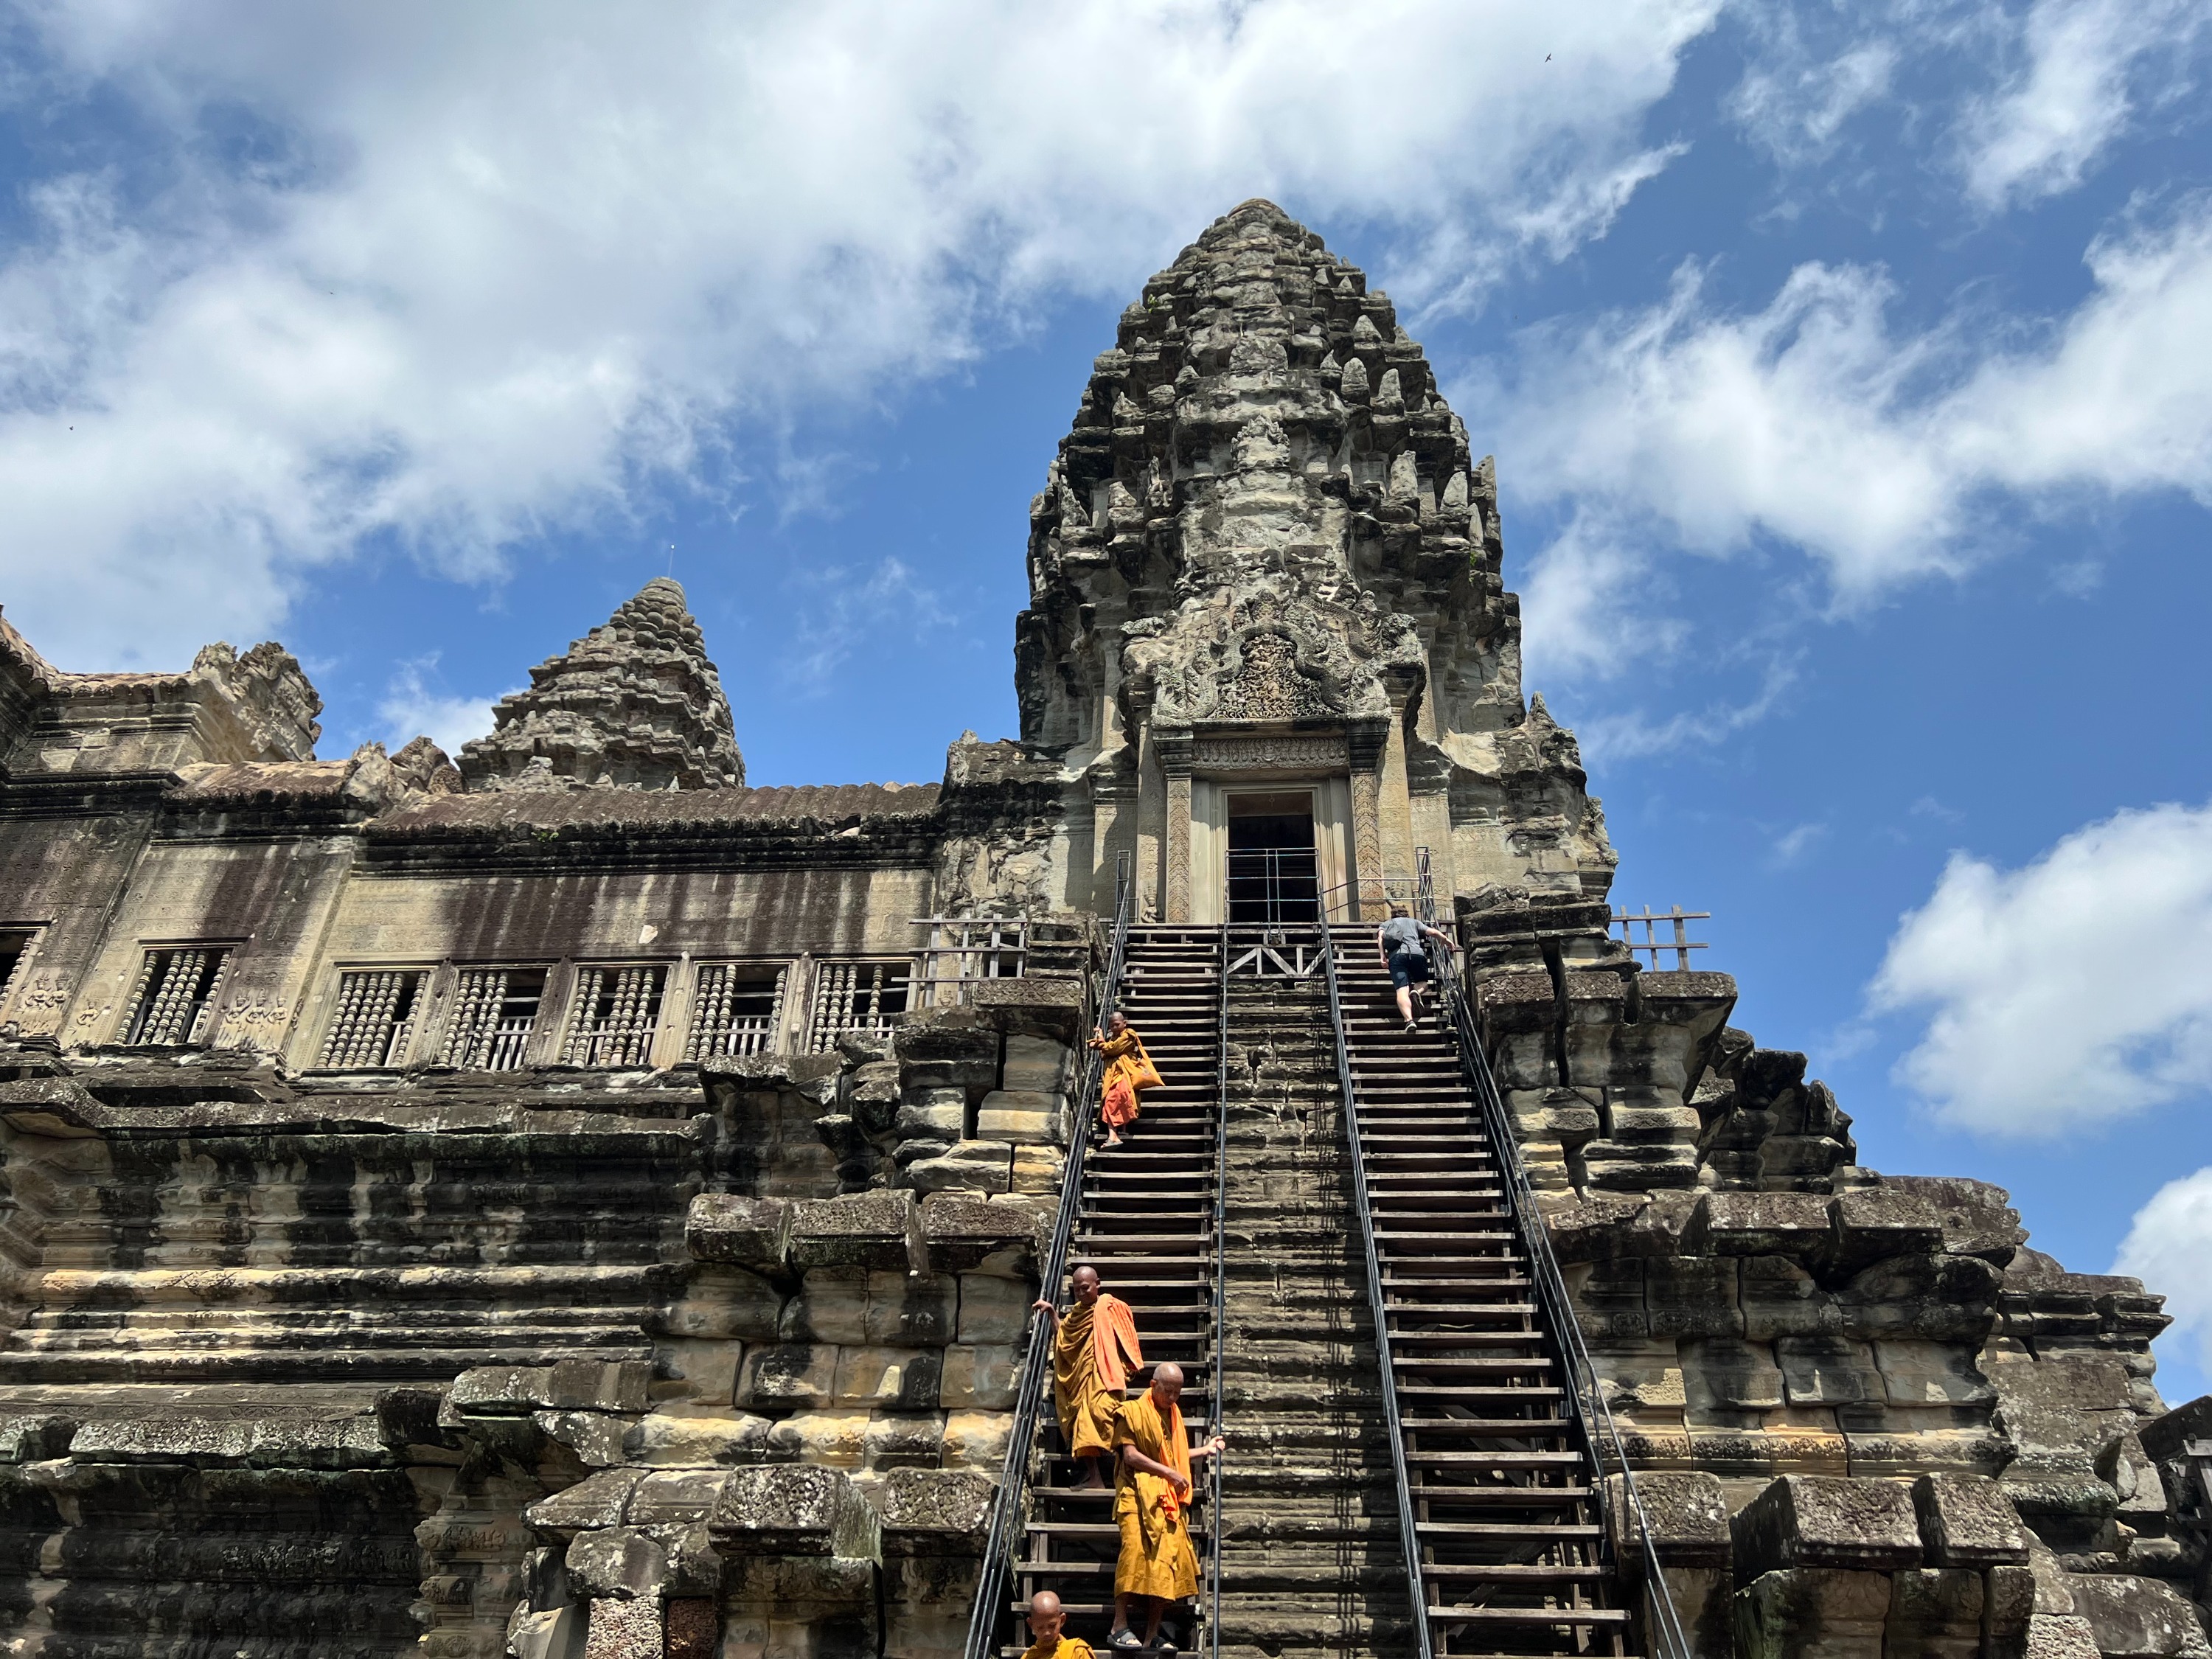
point(533, 1207)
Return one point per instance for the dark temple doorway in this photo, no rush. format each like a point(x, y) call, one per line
point(1273, 875)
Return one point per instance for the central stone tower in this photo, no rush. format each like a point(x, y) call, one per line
point(1264, 579)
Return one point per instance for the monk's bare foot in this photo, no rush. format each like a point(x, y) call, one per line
point(1112, 1140)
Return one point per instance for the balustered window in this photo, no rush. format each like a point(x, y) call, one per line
point(737, 1008)
point(495, 1011)
point(616, 1011)
point(856, 996)
point(376, 1014)
point(174, 1002)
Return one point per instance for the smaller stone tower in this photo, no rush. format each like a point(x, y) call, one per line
point(634, 705)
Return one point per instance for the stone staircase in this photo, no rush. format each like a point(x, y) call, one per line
point(1310, 1557)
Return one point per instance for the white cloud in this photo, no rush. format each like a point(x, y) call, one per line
point(1794, 107)
point(1634, 735)
point(486, 268)
point(2075, 990)
point(1793, 844)
point(2166, 1247)
point(2039, 132)
point(1814, 423)
point(410, 708)
point(846, 608)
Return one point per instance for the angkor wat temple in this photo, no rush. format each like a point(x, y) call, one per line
point(560, 1202)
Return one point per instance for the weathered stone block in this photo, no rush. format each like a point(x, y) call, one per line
point(832, 1439)
point(693, 1626)
point(1688, 1516)
point(860, 1230)
point(1936, 1613)
point(746, 1232)
point(991, 1308)
point(597, 1500)
point(661, 1440)
point(977, 1441)
point(1812, 1613)
point(945, 1122)
point(1965, 1521)
point(933, 1512)
point(979, 1377)
point(911, 1309)
point(893, 1379)
point(1038, 1169)
point(1792, 1225)
point(725, 1303)
point(1779, 1297)
point(1721, 1375)
point(1813, 1521)
point(1692, 1295)
point(792, 1510)
point(964, 1234)
point(788, 1374)
point(1874, 1222)
point(501, 1390)
point(675, 1497)
point(1022, 1117)
point(1827, 1371)
point(904, 1440)
point(591, 1385)
point(1037, 1063)
point(627, 1629)
point(972, 1166)
point(1931, 1374)
point(618, 1562)
point(2060, 1636)
point(2138, 1618)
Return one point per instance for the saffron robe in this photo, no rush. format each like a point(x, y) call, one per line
point(1067, 1646)
point(1090, 1364)
point(1157, 1557)
point(1128, 1068)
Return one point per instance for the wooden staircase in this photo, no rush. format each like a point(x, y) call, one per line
point(1498, 1467)
point(1146, 1224)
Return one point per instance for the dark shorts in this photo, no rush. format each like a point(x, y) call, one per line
point(1408, 968)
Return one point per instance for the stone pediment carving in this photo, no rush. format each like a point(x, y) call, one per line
point(1268, 651)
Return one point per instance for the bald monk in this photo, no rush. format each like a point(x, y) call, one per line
point(1151, 1506)
point(1128, 1068)
point(1046, 1623)
point(1091, 1359)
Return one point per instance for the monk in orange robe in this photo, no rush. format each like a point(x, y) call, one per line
point(1091, 1359)
point(1047, 1622)
point(1151, 1506)
point(1128, 1068)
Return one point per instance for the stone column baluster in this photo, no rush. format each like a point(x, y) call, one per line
point(1150, 804)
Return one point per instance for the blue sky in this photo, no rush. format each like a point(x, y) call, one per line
point(1849, 369)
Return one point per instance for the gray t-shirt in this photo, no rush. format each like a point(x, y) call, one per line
point(1402, 934)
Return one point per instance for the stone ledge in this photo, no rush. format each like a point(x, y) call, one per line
point(1819, 1521)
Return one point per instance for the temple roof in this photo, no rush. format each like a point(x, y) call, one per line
point(634, 704)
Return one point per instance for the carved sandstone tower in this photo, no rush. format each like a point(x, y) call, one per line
point(1266, 563)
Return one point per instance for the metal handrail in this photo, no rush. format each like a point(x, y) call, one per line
point(1214, 1517)
point(1409, 1545)
point(1594, 1416)
point(991, 1584)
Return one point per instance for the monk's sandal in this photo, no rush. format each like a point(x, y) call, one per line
point(1125, 1640)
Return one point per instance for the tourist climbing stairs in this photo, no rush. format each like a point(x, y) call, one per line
point(1147, 1221)
point(1500, 1487)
